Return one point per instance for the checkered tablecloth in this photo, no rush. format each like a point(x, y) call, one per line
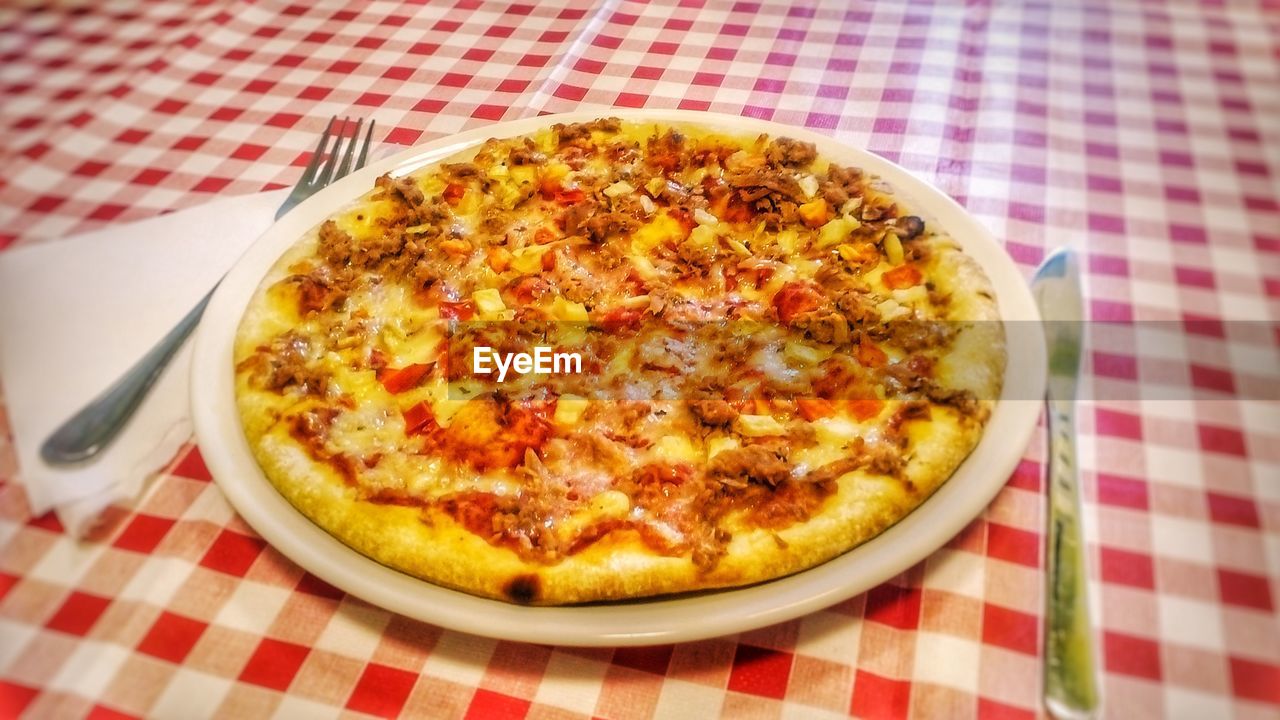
point(1145, 133)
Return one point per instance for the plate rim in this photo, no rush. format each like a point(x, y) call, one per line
point(641, 622)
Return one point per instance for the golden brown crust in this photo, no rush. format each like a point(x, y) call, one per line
point(414, 534)
point(977, 359)
point(620, 567)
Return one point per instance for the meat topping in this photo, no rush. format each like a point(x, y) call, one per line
point(404, 188)
point(714, 413)
point(738, 466)
point(791, 153)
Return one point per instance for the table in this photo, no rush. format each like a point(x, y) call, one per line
point(1145, 133)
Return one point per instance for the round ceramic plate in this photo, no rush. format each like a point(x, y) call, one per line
point(640, 622)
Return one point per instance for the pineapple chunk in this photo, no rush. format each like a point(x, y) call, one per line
point(644, 266)
point(676, 448)
point(610, 504)
point(837, 231)
point(802, 353)
point(717, 445)
point(569, 311)
point(788, 240)
point(569, 409)
point(523, 174)
point(703, 235)
point(488, 301)
point(660, 229)
point(555, 172)
point(528, 259)
point(604, 506)
point(836, 431)
point(737, 247)
point(893, 248)
point(619, 189)
point(758, 426)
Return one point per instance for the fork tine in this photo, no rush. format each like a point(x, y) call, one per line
point(345, 166)
point(364, 151)
point(309, 174)
point(326, 174)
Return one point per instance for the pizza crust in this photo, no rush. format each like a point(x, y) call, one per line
point(620, 566)
point(976, 361)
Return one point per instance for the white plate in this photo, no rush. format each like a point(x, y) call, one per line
point(704, 615)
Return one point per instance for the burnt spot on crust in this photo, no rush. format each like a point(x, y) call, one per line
point(523, 589)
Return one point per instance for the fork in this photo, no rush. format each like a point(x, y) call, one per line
point(91, 429)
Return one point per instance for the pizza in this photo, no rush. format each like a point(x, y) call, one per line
point(614, 360)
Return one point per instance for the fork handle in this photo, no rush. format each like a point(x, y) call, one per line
point(89, 431)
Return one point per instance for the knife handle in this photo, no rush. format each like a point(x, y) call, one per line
point(1070, 678)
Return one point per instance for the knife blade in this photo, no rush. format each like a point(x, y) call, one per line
point(1070, 677)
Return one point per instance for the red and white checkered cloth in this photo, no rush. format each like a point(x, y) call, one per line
point(1147, 133)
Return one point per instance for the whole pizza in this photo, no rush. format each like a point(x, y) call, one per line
point(613, 360)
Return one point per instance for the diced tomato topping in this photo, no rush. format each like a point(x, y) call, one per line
point(464, 310)
point(442, 357)
point(398, 380)
point(549, 260)
point(730, 278)
point(528, 289)
point(813, 408)
point(453, 193)
point(865, 409)
point(814, 213)
point(794, 298)
point(837, 377)
point(473, 511)
point(593, 532)
point(499, 258)
point(621, 318)
point(569, 197)
point(563, 196)
point(745, 399)
point(663, 473)
point(757, 277)
point(636, 283)
point(529, 421)
point(685, 218)
point(419, 420)
point(545, 235)
point(718, 205)
point(869, 355)
point(667, 161)
point(903, 276)
point(738, 399)
point(738, 212)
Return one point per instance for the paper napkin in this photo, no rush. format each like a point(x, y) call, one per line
point(76, 314)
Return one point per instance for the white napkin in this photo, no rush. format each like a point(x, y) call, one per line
point(76, 314)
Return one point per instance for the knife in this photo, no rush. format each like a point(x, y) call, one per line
point(1070, 678)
